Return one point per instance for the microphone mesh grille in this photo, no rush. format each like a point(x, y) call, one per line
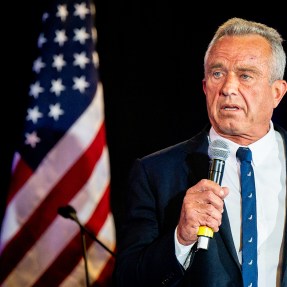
point(218, 149)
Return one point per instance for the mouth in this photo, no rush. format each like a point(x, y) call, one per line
point(230, 108)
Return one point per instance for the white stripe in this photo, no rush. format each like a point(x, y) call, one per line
point(52, 169)
point(93, 191)
point(62, 230)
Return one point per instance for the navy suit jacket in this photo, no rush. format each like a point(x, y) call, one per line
point(146, 254)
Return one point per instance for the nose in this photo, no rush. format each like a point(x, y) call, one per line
point(230, 85)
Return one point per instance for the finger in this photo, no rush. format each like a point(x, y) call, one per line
point(206, 184)
point(202, 200)
point(212, 220)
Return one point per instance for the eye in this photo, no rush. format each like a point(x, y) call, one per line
point(217, 74)
point(245, 77)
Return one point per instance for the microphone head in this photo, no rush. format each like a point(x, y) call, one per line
point(68, 212)
point(218, 149)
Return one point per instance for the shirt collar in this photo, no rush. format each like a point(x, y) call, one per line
point(260, 149)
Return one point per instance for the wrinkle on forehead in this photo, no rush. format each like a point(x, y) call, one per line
point(241, 52)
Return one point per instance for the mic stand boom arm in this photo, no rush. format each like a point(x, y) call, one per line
point(69, 212)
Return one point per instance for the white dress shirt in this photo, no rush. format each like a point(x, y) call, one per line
point(269, 164)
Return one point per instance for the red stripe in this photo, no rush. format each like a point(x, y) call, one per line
point(100, 214)
point(21, 174)
point(72, 253)
point(106, 279)
point(43, 216)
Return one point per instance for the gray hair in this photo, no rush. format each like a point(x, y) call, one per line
point(238, 26)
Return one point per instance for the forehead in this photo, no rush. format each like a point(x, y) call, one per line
point(247, 48)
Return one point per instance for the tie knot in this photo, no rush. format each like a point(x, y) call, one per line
point(244, 154)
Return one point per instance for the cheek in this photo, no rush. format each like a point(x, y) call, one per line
point(211, 105)
point(262, 109)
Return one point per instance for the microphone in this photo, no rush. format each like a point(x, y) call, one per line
point(218, 152)
point(69, 212)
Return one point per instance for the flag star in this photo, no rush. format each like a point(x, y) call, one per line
point(81, 10)
point(93, 9)
point(38, 65)
point(62, 12)
point(45, 16)
point(81, 35)
point(35, 90)
point(57, 87)
point(80, 84)
point(94, 34)
point(61, 37)
point(58, 62)
point(81, 60)
point(55, 111)
point(32, 139)
point(41, 40)
point(96, 59)
point(34, 114)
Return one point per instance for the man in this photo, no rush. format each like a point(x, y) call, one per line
point(170, 196)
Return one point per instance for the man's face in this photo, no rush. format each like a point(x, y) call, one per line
point(240, 98)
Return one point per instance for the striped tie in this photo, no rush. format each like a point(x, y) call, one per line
point(249, 226)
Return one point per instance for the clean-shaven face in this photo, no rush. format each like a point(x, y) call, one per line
point(240, 99)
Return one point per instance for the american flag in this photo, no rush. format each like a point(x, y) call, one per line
point(62, 160)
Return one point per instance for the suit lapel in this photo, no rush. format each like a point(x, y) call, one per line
point(226, 235)
point(284, 264)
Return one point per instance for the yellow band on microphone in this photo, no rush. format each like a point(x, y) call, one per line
point(205, 231)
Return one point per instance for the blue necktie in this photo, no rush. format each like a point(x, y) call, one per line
point(249, 225)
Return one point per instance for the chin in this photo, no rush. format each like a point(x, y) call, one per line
point(230, 129)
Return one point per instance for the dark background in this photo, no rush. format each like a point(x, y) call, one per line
point(151, 67)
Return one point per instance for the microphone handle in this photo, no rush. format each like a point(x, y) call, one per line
point(205, 233)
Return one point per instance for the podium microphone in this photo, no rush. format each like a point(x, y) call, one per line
point(218, 152)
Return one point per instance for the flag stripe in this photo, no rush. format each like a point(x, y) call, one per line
point(102, 278)
point(20, 175)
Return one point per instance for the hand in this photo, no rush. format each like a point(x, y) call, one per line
point(202, 206)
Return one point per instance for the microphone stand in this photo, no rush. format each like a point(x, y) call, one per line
point(97, 240)
point(85, 256)
point(69, 212)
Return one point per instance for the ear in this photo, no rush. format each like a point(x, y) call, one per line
point(204, 85)
point(279, 90)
